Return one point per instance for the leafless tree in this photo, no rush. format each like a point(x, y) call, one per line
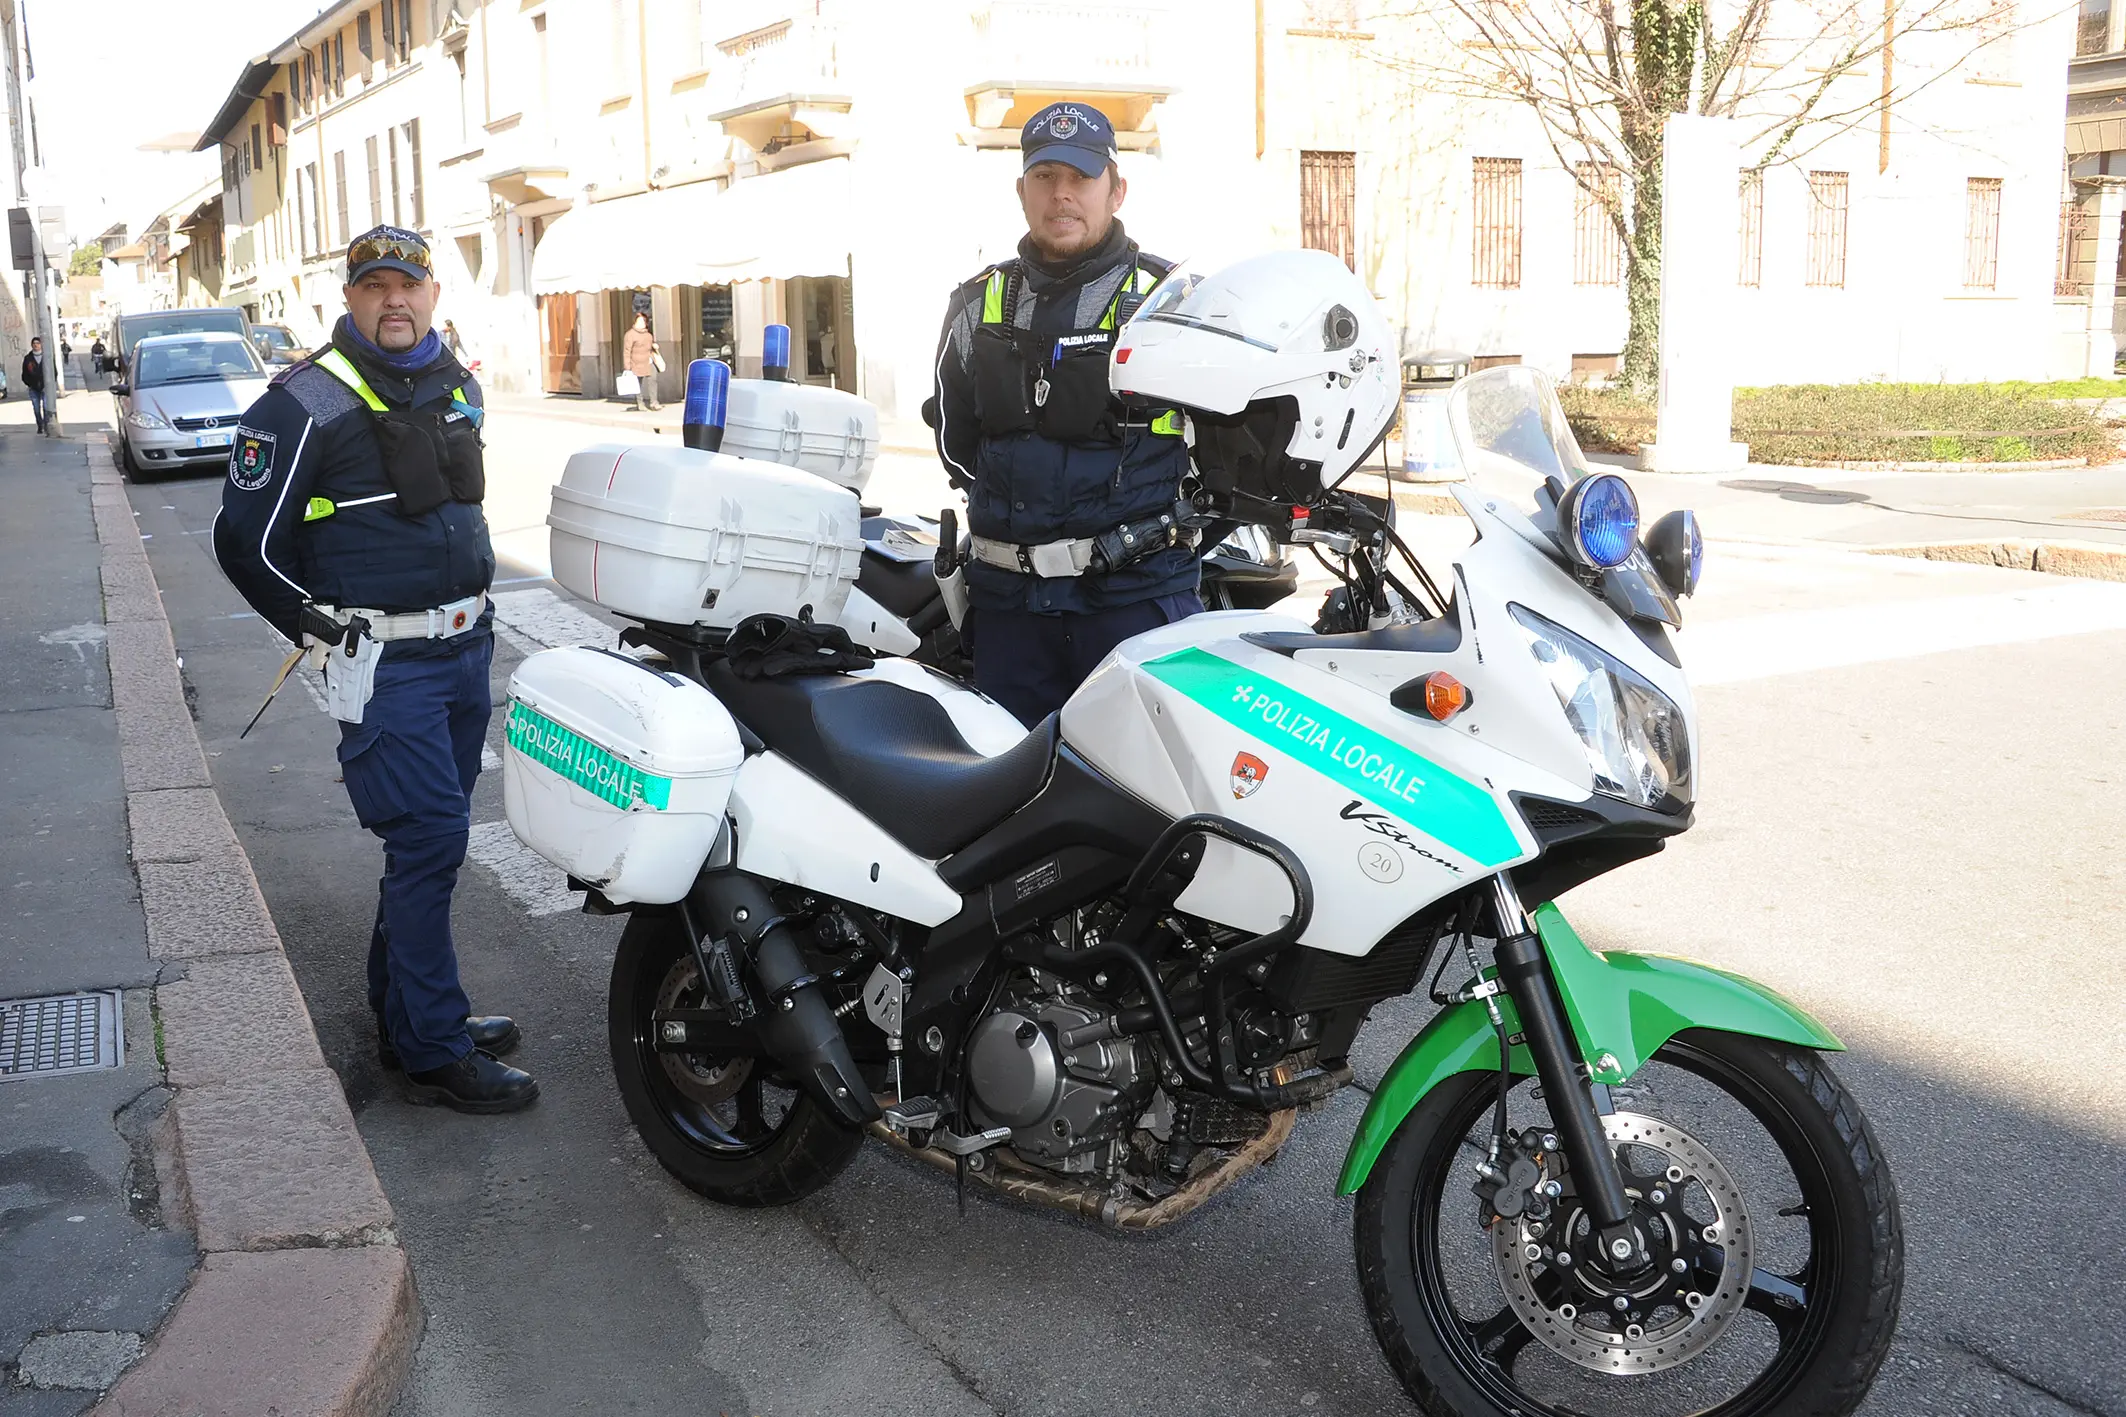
point(1601, 77)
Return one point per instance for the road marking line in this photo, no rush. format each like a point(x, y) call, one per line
point(547, 619)
point(1795, 642)
point(530, 879)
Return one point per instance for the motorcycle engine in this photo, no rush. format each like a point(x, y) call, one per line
point(1069, 1103)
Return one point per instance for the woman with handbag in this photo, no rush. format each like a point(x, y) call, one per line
point(640, 361)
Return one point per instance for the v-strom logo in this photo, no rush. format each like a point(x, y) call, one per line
point(1379, 825)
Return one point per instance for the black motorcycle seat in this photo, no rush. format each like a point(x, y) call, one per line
point(891, 753)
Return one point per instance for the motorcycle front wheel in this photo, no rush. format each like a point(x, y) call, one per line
point(731, 1129)
point(1768, 1214)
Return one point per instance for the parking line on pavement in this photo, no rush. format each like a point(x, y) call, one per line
point(533, 882)
point(1795, 642)
point(547, 620)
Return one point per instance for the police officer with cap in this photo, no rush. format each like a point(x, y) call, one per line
point(1076, 544)
point(351, 522)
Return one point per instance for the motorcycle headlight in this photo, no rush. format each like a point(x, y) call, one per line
point(1635, 737)
point(145, 420)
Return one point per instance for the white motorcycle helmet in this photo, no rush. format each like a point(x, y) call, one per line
point(1284, 363)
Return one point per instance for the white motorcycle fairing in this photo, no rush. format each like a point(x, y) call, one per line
point(1389, 810)
point(789, 828)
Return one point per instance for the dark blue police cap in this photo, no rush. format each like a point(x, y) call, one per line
point(389, 248)
point(1076, 133)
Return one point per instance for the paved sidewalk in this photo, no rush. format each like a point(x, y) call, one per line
point(186, 1208)
point(89, 1261)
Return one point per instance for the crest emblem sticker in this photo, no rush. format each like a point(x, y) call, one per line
point(1248, 774)
point(1063, 125)
point(251, 458)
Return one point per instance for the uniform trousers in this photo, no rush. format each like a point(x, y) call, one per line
point(410, 766)
point(1030, 662)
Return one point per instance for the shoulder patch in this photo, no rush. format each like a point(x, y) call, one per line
point(251, 458)
point(321, 397)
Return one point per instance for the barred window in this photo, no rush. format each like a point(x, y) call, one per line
point(1328, 203)
point(1497, 243)
point(1597, 248)
point(1982, 233)
point(1751, 271)
point(2077, 252)
point(1827, 214)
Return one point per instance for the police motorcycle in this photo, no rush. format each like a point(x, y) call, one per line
point(1105, 964)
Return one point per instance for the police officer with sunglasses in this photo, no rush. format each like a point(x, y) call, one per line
point(1076, 542)
point(351, 522)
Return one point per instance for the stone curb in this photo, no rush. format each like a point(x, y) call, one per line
point(2094, 561)
point(304, 1303)
point(2039, 465)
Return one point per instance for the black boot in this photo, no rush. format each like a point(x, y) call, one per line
point(495, 1034)
point(474, 1083)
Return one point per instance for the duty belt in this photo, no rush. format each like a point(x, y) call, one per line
point(1089, 555)
point(442, 623)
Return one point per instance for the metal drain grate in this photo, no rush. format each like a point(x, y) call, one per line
point(63, 1033)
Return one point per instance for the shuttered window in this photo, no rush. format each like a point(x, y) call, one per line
point(1982, 233)
point(1328, 204)
point(1496, 244)
point(1827, 219)
point(1751, 272)
point(1597, 249)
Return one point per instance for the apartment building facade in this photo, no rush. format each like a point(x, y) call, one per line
point(320, 139)
point(840, 166)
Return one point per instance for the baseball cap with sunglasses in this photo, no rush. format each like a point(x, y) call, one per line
point(389, 248)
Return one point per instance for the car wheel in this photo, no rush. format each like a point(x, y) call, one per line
point(128, 466)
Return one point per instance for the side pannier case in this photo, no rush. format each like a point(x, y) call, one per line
point(616, 771)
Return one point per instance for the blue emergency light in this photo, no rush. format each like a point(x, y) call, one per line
point(775, 352)
point(708, 396)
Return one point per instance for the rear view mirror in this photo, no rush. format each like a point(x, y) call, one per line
point(119, 388)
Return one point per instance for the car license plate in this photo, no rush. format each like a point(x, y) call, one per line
point(211, 440)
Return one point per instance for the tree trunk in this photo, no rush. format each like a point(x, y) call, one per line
point(1642, 281)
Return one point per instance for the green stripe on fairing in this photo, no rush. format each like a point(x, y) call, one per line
point(583, 762)
point(1448, 808)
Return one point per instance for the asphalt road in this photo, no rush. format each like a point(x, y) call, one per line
point(1918, 846)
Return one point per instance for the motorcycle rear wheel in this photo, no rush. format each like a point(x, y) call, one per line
point(1822, 1330)
point(727, 1128)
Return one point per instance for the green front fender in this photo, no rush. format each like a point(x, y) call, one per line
point(1622, 1008)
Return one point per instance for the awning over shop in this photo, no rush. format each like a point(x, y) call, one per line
point(629, 243)
point(796, 222)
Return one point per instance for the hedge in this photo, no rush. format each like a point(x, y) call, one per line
point(1801, 424)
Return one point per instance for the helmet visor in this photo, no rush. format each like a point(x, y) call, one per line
point(1192, 298)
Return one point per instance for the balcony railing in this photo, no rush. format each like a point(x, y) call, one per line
point(1071, 43)
point(800, 56)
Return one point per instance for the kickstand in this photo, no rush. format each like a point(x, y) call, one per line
point(959, 1174)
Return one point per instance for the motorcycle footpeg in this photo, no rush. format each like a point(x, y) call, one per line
point(914, 1114)
point(947, 1140)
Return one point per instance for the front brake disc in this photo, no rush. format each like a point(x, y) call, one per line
point(1663, 1316)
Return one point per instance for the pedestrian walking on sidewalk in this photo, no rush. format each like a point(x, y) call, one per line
point(33, 380)
point(96, 356)
point(638, 355)
point(351, 522)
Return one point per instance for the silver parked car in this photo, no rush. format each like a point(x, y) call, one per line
point(179, 398)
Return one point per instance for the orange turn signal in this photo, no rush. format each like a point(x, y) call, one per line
point(1445, 695)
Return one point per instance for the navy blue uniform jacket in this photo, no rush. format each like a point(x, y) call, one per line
point(309, 437)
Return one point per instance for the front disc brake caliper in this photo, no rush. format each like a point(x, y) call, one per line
point(1513, 1186)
